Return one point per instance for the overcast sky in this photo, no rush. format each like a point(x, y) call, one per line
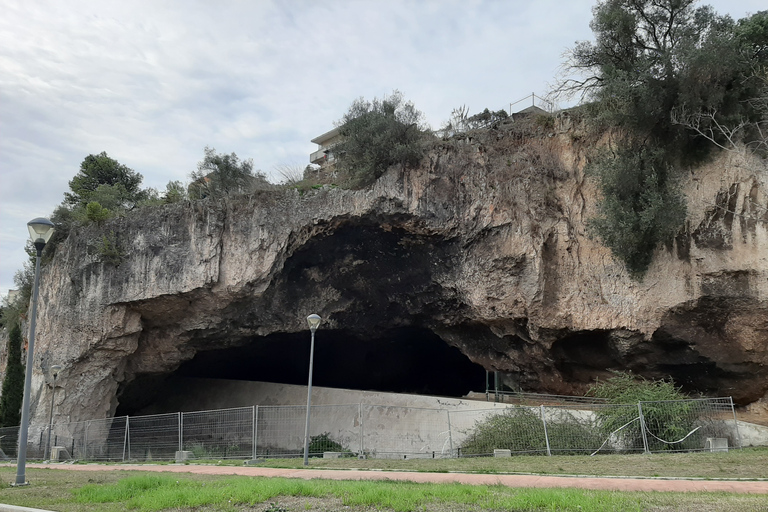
point(153, 82)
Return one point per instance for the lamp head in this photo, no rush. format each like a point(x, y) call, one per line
point(55, 369)
point(313, 321)
point(40, 231)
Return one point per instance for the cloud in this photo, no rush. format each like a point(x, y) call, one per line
point(153, 82)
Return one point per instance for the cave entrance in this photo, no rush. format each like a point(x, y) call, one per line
point(402, 360)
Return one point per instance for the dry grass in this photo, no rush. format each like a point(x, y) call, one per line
point(750, 463)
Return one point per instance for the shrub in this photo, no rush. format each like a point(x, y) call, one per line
point(518, 429)
point(666, 412)
point(641, 206)
point(377, 135)
point(109, 249)
point(323, 443)
point(521, 429)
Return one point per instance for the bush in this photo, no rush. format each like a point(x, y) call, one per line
point(377, 135)
point(323, 443)
point(521, 429)
point(666, 412)
point(109, 249)
point(518, 429)
point(641, 206)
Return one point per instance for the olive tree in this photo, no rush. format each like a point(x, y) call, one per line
point(376, 135)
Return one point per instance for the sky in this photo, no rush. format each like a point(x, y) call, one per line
point(153, 82)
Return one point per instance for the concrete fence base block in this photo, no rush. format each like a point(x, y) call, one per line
point(502, 453)
point(332, 455)
point(59, 453)
point(716, 444)
point(183, 456)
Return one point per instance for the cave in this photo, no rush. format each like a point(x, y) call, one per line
point(400, 360)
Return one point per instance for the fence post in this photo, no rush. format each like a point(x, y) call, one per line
point(546, 435)
point(255, 420)
point(125, 437)
point(181, 431)
point(450, 435)
point(85, 443)
point(642, 427)
point(362, 432)
point(735, 422)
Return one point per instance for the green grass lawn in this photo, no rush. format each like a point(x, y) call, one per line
point(120, 491)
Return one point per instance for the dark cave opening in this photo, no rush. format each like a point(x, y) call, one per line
point(401, 360)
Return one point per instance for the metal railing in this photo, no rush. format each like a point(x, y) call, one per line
point(386, 431)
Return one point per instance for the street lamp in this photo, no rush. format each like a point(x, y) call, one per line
point(55, 369)
point(40, 231)
point(314, 321)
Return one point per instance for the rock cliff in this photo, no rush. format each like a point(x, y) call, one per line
point(484, 246)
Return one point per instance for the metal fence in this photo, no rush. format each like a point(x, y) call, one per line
point(385, 431)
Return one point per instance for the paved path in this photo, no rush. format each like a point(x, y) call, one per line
point(604, 483)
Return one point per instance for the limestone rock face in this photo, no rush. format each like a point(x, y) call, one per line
point(484, 244)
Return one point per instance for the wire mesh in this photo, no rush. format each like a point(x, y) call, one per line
point(685, 425)
point(395, 431)
point(9, 441)
point(333, 428)
point(153, 437)
point(218, 434)
point(405, 432)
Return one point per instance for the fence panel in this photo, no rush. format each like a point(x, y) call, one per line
point(595, 428)
point(405, 432)
point(516, 428)
point(396, 432)
point(333, 428)
point(154, 437)
point(685, 425)
point(9, 441)
point(218, 434)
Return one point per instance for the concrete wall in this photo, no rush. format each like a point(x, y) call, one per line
point(187, 394)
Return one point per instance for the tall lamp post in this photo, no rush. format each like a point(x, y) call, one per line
point(40, 231)
point(314, 321)
point(55, 369)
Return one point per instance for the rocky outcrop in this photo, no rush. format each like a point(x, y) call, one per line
point(484, 245)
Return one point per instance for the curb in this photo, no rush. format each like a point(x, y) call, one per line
point(14, 508)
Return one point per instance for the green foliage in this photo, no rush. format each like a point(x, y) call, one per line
point(220, 174)
point(13, 383)
point(323, 443)
point(101, 170)
point(520, 429)
point(174, 192)
point(377, 135)
point(670, 417)
point(626, 388)
point(94, 212)
point(109, 249)
point(673, 76)
point(641, 205)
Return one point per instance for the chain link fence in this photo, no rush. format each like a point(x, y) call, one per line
point(384, 431)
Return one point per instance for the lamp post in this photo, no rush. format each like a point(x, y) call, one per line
point(40, 231)
point(314, 321)
point(55, 369)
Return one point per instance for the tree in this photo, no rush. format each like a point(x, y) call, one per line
point(377, 135)
point(97, 171)
point(641, 206)
point(13, 383)
point(174, 192)
point(221, 174)
point(650, 59)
